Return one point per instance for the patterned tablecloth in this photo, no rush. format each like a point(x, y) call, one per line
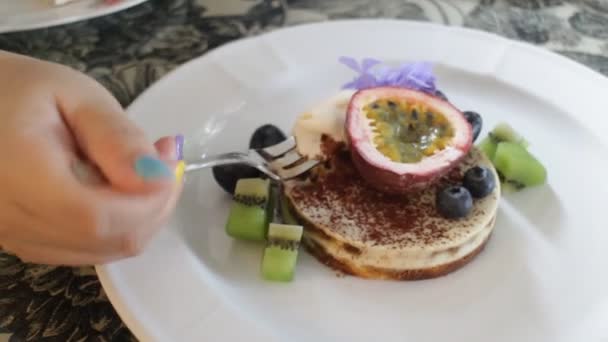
point(128, 51)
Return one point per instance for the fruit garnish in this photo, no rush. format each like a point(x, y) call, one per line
point(454, 202)
point(501, 133)
point(480, 181)
point(249, 213)
point(476, 122)
point(504, 132)
point(518, 167)
point(488, 147)
point(265, 136)
point(286, 214)
point(226, 176)
point(402, 139)
point(441, 95)
point(281, 252)
point(372, 74)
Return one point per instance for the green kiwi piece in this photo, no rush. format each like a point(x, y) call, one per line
point(248, 218)
point(488, 147)
point(273, 208)
point(286, 214)
point(505, 133)
point(281, 252)
point(518, 167)
point(509, 187)
point(501, 133)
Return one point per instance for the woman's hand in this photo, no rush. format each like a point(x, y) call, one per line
point(55, 124)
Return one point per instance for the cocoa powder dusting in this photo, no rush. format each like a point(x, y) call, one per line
point(385, 218)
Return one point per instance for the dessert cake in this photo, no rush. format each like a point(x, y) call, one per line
point(360, 231)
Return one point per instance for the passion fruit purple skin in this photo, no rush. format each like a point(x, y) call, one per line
point(395, 177)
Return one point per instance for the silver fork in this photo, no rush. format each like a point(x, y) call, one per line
point(280, 162)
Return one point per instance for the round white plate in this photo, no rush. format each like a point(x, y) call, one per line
point(543, 276)
point(19, 15)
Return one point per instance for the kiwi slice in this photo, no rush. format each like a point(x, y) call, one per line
point(249, 214)
point(501, 133)
point(286, 214)
point(510, 187)
point(281, 252)
point(518, 168)
point(488, 147)
point(505, 133)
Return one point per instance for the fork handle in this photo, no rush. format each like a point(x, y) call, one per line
point(226, 159)
point(217, 160)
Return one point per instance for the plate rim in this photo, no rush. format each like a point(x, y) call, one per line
point(104, 272)
point(94, 13)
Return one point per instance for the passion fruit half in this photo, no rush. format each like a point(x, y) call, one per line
point(401, 139)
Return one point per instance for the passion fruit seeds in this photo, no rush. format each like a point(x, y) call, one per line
point(407, 132)
point(402, 139)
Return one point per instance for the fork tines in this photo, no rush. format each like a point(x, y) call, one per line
point(279, 149)
point(286, 161)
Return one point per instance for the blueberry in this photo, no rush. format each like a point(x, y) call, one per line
point(228, 175)
point(441, 95)
point(454, 202)
point(476, 122)
point(265, 136)
point(480, 181)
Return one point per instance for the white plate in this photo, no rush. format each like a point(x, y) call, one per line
point(18, 15)
point(542, 277)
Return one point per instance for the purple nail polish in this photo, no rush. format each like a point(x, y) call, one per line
point(179, 146)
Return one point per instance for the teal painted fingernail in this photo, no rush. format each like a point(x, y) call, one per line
point(150, 168)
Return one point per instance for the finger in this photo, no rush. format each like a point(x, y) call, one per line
point(83, 218)
point(167, 148)
point(114, 143)
point(34, 194)
point(115, 224)
point(148, 233)
point(135, 220)
point(121, 151)
point(170, 149)
point(56, 208)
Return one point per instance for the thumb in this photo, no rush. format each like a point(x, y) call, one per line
point(119, 149)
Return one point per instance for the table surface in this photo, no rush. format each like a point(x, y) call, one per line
point(128, 51)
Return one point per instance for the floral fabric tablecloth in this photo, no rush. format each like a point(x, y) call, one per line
point(129, 50)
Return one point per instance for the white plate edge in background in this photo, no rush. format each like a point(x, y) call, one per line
point(51, 16)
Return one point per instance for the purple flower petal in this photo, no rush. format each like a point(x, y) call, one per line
point(418, 75)
point(369, 63)
point(423, 72)
point(366, 81)
point(351, 63)
point(383, 73)
point(394, 77)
